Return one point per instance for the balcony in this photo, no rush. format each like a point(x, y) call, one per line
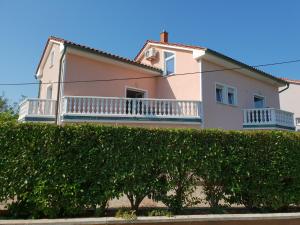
point(268, 118)
point(37, 110)
point(112, 109)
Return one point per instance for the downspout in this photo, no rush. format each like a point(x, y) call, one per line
point(40, 82)
point(39, 93)
point(59, 83)
point(287, 87)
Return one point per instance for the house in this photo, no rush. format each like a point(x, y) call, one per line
point(166, 85)
point(288, 98)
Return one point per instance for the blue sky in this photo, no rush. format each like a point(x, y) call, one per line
point(255, 32)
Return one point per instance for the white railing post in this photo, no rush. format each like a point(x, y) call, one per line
point(65, 105)
point(133, 107)
point(245, 116)
point(273, 116)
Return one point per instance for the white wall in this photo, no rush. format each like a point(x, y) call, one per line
point(290, 100)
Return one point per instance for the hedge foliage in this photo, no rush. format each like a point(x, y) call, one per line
point(57, 171)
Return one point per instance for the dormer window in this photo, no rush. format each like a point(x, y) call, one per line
point(52, 59)
point(169, 63)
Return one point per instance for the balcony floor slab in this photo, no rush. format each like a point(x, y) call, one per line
point(38, 118)
point(268, 127)
point(132, 119)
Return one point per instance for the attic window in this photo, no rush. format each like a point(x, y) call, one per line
point(169, 63)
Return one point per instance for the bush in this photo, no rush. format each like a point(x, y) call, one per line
point(59, 171)
point(181, 151)
point(157, 212)
point(139, 171)
point(263, 169)
point(8, 116)
point(212, 167)
point(126, 214)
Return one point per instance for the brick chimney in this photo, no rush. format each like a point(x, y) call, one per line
point(164, 36)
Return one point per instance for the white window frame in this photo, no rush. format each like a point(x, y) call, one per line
point(259, 96)
point(220, 86)
point(225, 89)
point(234, 95)
point(165, 62)
point(297, 121)
point(51, 58)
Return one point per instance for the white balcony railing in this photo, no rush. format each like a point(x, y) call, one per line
point(37, 107)
point(130, 107)
point(268, 116)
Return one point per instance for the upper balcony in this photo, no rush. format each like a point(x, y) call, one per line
point(268, 118)
point(112, 109)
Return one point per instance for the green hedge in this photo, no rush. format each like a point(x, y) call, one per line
point(58, 171)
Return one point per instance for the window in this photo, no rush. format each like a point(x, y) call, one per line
point(226, 94)
point(231, 93)
point(220, 93)
point(298, 121)
point(52, 59)
point(134, 93)
point(259, 101)
point(169, 63)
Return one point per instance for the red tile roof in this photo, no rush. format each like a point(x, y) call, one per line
point(291, 81)
point(97, 51)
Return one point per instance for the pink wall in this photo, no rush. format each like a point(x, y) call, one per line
point(50, 73)
point(178, 87)
point(82, 68)
point(218, 115)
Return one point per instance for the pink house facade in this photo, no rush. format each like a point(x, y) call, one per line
point(166, 85)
